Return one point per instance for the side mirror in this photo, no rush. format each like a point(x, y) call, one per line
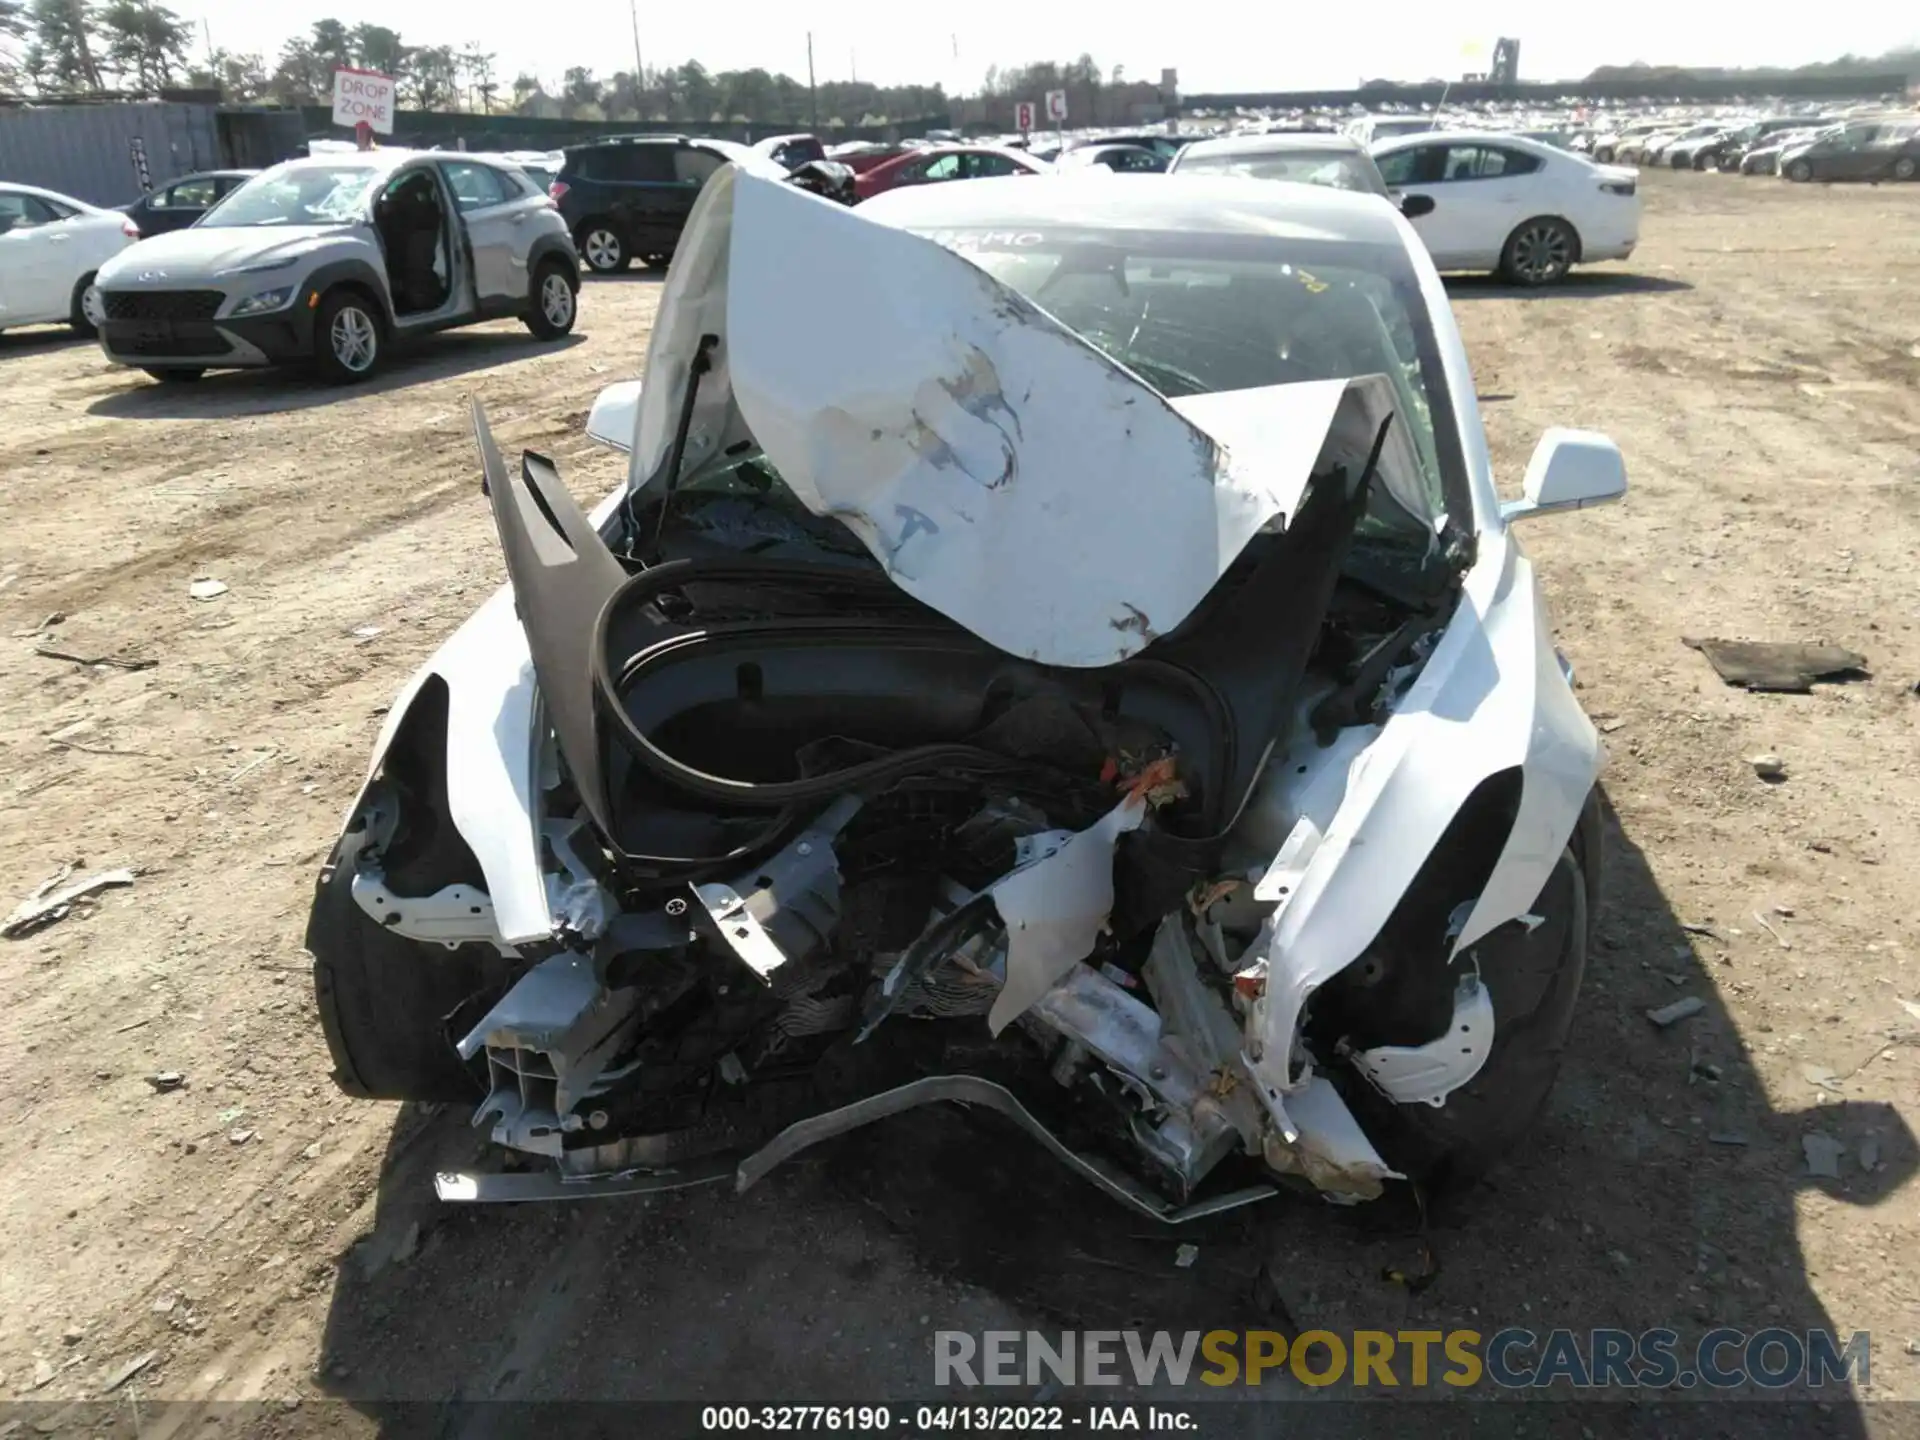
point(1414, 206)
point(615, 415)
point(1570, 470)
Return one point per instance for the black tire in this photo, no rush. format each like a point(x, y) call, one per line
point(1539, 252)
point(658, 262)
point(1533, 978)
point(83, 324)
point(1603, 155)
point(1800, 172)
point(603, 247)
point(553, 300)
point(349, 337)
point(393, 1008)
point(1905, 167)
point(174, 374)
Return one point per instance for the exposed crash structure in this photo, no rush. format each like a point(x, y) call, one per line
point(1058, 650)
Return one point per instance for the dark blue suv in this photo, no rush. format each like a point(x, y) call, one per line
point(629, 196)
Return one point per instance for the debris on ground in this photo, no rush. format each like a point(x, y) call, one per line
point(1822, 1077)
point(47, 905)
point(1769, 767)
point(127, 1371)
point(1773, 665)
point(121, 662)
point(207, 588)
point(43, 1373)
point(1184, 1257)
point(366, 632)
point(1706, 930)
point(167, 1080)
point(1726, 1137)
point(239, 1137)
point(1785, 944)
point(1676, 1012)
point(1823, 1154)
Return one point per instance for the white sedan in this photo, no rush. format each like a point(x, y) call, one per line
point(1512, 205)
point(50, 247)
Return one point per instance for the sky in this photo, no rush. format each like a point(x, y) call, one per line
point(1264, 47)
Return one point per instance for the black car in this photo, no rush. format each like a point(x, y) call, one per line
point(176, 205)
point(630, 196)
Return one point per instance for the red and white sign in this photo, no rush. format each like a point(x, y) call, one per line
point(1057, 106)
point(363, 95)
point(1023, 116)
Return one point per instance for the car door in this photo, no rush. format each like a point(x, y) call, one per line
point(982, 165)
point(179, 205)
point(1418, 170)
point(33, 261)
point(1488, 192)
point(693, 166)
point(648, 203)
point(494, 213)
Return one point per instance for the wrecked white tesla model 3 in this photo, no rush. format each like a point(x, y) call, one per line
point(1059, 650)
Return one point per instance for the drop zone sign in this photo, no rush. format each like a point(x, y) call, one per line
point(363, 95)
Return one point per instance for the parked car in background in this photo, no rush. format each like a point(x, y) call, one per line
point(1159, 141)
point(179, 203)
point(51, 246)
point(1370, 130)
point(1308, 157)
point(1605, 147)
point(1887, 149)
point(1527, 210)
point(1653, 150)
point(1764, 157)
point(939, 163)
point(1125, 159)
point(333, 259)
point(1734, 139)
point(805, 160)
point(628, 197)
point(861, 156)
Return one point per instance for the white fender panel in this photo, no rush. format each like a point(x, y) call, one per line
point(1490, 698)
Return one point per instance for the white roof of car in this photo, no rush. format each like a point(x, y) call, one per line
point(1276, 143)
point(53, 195)
point(1471, 137)
point(1204, 204)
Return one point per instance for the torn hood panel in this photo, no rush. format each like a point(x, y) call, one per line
point(1000, 468)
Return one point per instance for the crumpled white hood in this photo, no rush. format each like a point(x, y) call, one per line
point(1004, 471)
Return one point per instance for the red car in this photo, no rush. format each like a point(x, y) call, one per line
point(945, 162)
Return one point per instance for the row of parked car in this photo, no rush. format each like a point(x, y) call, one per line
point(1479, 200)
point(1802, 148)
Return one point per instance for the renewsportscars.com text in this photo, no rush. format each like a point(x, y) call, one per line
point(1511, 1358)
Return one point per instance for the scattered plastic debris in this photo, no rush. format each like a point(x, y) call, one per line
point(1768, 665)
point(121, 662)
point(367, 632)
point(1676, 1012)
point(1769, 767)
point(1823, 1154)
point(207, 588)
point(239, 1137)
point(127, 1371)
point(167, 1080)
point(43, 1373)
point(1184, 1257)
point(1822, 1077)
point(47, 905)
point(1785, 944)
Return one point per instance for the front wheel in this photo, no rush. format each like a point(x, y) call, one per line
point(555, 300)
point(1905, 167)
point(1800, 172)
point(604, 249)
point(346, 338)
point(1533, 978)
point(1540, 252)
point(87, 309)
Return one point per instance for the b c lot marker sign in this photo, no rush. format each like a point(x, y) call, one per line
point(363, 95)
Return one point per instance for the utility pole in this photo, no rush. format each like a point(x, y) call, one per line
point(639, 71)
point(813, 95)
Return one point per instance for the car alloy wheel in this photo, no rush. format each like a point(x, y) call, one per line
point(556, 300)
point(355, 339)
point(93, 307)
point(1800, 170)
point(1541, 252)
point(603, 249)
point(1905, 167)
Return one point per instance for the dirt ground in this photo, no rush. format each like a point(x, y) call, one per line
point(266, 1239)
